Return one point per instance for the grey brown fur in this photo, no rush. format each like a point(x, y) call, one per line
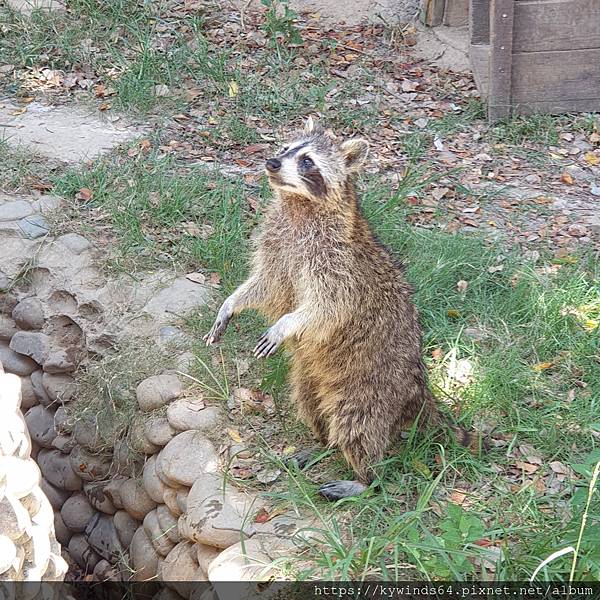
point(340, 302)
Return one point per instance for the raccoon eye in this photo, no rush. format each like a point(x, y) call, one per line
point(307, 163)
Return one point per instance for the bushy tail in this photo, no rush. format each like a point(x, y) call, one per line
point(472, 440)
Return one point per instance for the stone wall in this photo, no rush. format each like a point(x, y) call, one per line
point(169, 515)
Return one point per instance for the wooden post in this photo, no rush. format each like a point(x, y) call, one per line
point(501, 42)
point(432, 13)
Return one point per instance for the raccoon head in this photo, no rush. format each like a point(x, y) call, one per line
point(314, 165)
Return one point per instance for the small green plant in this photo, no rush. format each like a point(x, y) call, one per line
point(280, 22)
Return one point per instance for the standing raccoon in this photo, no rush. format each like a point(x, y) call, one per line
point(340, 302)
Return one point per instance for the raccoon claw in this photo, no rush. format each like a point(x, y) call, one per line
point(267, 344)
point(302, 458)
point(336, 490)
point(216, 331)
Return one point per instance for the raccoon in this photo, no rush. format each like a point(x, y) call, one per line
point(339, 301)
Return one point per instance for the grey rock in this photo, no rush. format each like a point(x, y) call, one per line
point(177, 299)
point(205, 555)
point(57, 469)
point(12, 362)
point(75, 243)
point(59, 387)
point(34, 226)
point(56, 496)
point(180, 566)
point(161, 542)
point(64, 443)
point(102, 536)
point(85, 431)
point(29, 314)
point(152, 484)
point(191, 413)
point(13, 211)
point(171, 501)
point(89, 466)
point(76, 512)
point(143, 556)
point(63, 535)
point(82, 553)
point(138, 440)
point(126, 527)
point(168, 523)
point(159, 431)
point(40, 421)
point(135, 499)
point(28, 395)
point(157, 391)
point(186, 457)
point(36, 379)
point(34, 344)
point(99, 498)
point(112, 489)
point(217, 515)
point(8, 328)
point(63, 421)
point(61, 360)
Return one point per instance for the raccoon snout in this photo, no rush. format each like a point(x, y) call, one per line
point(273, 165)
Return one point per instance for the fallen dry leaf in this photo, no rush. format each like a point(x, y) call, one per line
point(542, 366)
point(527, 467)
point(196, 277)
point(84, 194)
point(234, 434)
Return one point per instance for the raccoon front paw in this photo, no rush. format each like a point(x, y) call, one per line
point(216, 331)
point(336, 490)
point(268, 342)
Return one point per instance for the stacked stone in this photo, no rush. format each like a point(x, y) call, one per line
point(29, 551)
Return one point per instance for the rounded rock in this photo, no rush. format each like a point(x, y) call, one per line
point(143, 556)
point(191, 413)
point(157, 391)
point(40, 422)
point(102, 537)
point(179, 565)
point(187, 457)
point(29, 314)
point(138, 440)
point(158, 431)
point(8, 328)
point(89, 466)
point(15, 363)
point(28, 396)
point(77, 512)
point(135, 499)
point(168, 523)
point(126, 526)
point(98, 498)
point(82, 553)
point(58, 470)
point(171, 501)
point(57, 497)
point(63, 535)
point(161, 542)
point(58, 386)
point(153, 485)
point(217, 515)
point(36, 379)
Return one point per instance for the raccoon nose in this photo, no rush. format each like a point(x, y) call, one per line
point(273, 165)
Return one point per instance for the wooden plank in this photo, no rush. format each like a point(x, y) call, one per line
point(432, 12)
point(456, 13)
point(559, 78)
point(479, 21)
point(501, 36)
point(480, 63)
point(556, 25)
point(557, 107)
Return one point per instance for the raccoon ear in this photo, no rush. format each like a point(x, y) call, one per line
point(354, 152)
point(310, 126)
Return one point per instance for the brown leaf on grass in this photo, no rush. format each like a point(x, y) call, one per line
point(458, 497)
point(196, 277)
point(527, 467)
point(84, 194)
point(262, 516)
point(452, 313)
point(214, 279)
point(234, 434)
point(543, 366)
point(591, 159)
point(437, 354)
point(567, 178)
